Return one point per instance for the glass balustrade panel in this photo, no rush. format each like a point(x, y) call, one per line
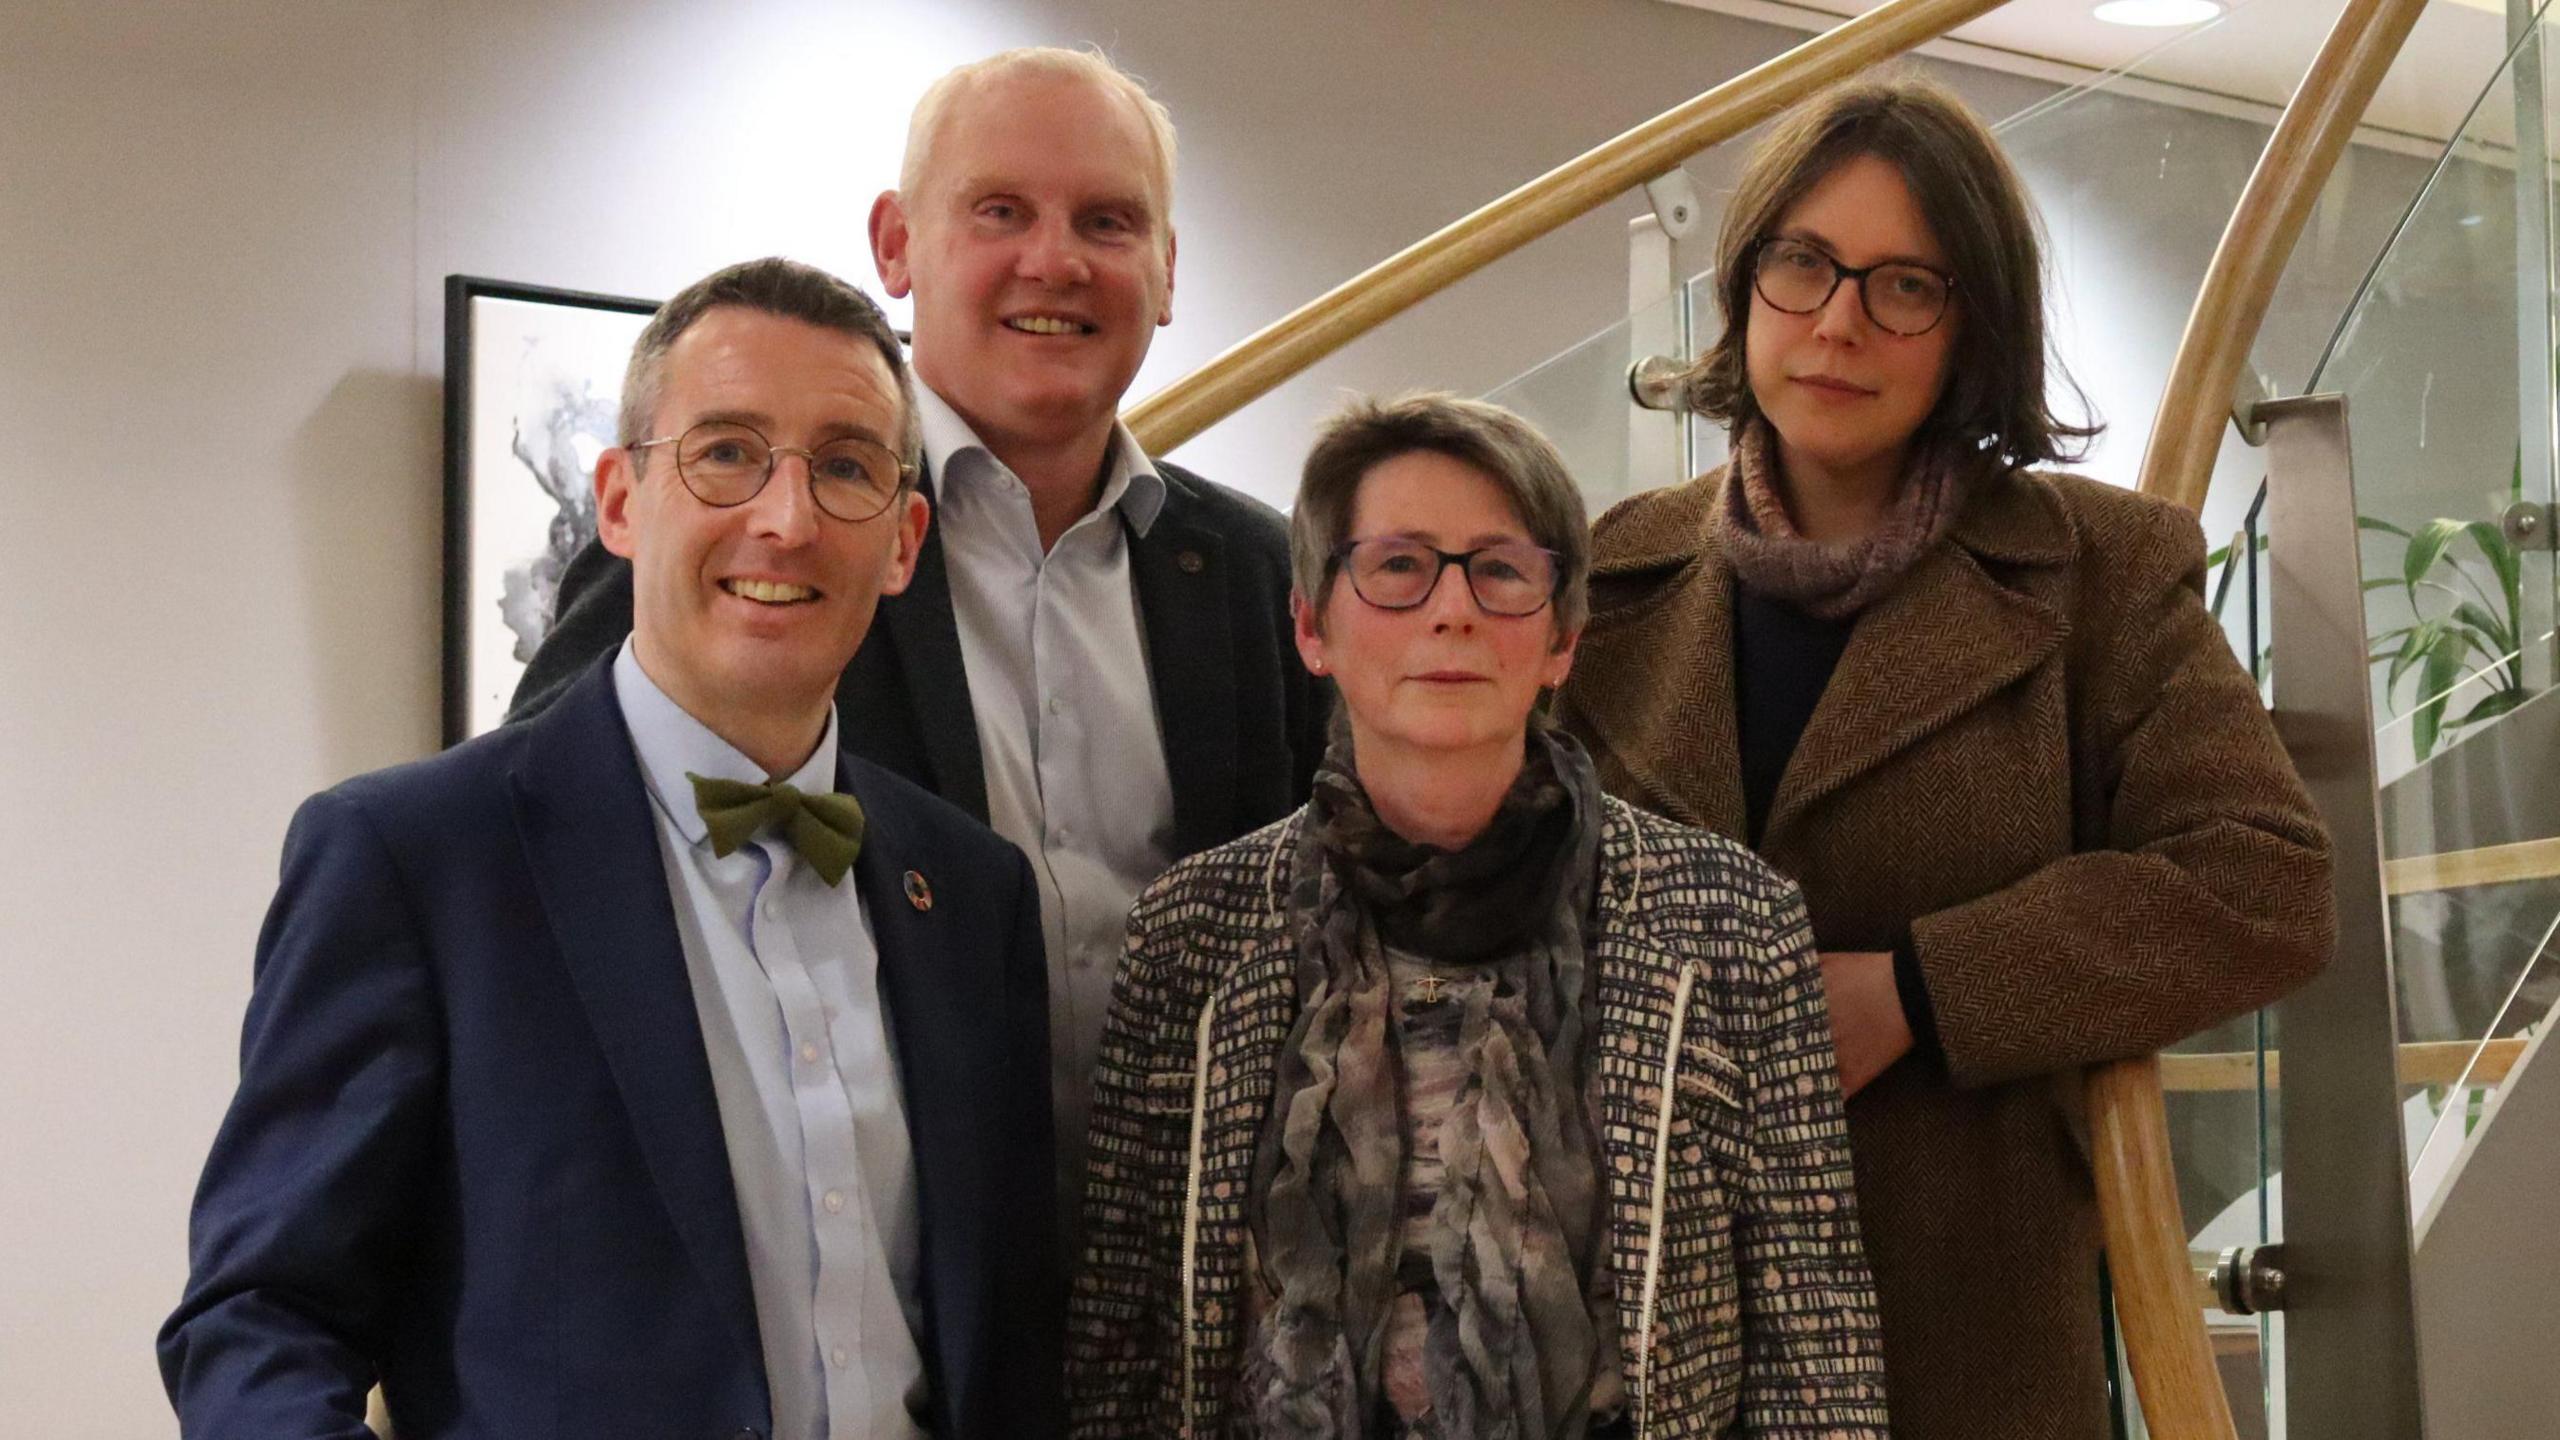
point(2446, 360)
point(1582, 399)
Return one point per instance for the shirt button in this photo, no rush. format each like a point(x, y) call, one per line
point(835, 1206)
point(1057, 705)
point(766, 907)
point(809, 1051)
point(1063, 836)
point(838, 1356)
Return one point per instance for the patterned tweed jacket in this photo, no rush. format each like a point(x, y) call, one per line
point(2040, 759)
point(1743, 1296)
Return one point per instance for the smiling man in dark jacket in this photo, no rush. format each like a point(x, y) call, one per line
point(1094, 656)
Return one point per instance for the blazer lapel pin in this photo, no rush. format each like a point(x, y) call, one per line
point(919, 894)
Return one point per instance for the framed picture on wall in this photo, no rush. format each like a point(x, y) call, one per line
point(532, 376)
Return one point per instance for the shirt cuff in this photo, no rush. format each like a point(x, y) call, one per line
point(1913, 990)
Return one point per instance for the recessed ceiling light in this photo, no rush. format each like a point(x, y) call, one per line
point(2158, 14)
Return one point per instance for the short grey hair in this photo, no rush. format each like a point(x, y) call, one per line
point(774, 286)
point(932, 112)
point(1508, 449)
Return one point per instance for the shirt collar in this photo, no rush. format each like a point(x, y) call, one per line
point(671, 744)
point(953, 453)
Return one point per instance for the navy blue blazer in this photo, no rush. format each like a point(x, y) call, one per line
point(475, 1149)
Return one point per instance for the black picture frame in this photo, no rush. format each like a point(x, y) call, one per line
point(519, 353)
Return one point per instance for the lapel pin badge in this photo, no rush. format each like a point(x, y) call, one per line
point(1191, 561)
point(919, 894)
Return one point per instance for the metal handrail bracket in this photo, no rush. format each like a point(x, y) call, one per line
point(2351, 1347)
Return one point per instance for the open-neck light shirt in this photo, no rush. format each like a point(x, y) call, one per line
point(1066, 719)
point(785, 975)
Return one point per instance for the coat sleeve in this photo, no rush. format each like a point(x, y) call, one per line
point(591, 617)
point(1124, 1320)
point(2202, 886)
point(1813, 1348)
point(302, 1212)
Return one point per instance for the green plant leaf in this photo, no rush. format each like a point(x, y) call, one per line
point(2492, 639)
point(2418, 646)
point(2491, 706)
point(2502, 555)
point(2427, 547)
point(2370, 522)
point(2386, 645)
point(2384, 582)
point(2443, 671)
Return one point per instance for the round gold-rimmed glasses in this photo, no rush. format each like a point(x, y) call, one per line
point(724, 463)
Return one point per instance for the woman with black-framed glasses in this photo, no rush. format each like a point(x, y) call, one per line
point(1978, 710)
point(1467, 1101)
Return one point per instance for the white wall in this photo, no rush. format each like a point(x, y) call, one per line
point(223, 232)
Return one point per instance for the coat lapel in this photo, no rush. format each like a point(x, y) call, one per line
point(1946, 639)
point(1180, 571)
point(928, 1004)
point(927, 641)
point(591, 842)
point(939, 1002)
point(1655, 690)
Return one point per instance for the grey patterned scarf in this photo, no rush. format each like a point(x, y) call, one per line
point(1831, 582)
point(1522, 1318)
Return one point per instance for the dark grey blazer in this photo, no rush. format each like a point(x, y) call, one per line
point(1244, 724)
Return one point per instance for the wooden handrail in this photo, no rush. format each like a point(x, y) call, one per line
point(2186, 433)
point(2463, 869)
point(2422, 1062)
point(2157, 1317)
point(2164, 1336)
point(1261, 361)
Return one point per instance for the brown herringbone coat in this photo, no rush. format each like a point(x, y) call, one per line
point(2039, 755)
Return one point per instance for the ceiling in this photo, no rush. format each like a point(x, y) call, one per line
point(2246, 62)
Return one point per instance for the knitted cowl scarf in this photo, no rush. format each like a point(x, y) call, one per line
point(1522, 1319)
point(1833, 582)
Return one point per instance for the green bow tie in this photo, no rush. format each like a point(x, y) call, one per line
point(825, 829)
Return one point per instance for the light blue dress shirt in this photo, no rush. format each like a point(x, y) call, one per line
point(785, 976)
point(1057, 664)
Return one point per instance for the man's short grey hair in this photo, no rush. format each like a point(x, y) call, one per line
point(933, 110)
point(774, 286)
point(1509, 450)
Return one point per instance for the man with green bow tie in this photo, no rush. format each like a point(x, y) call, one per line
point(653, 1066)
